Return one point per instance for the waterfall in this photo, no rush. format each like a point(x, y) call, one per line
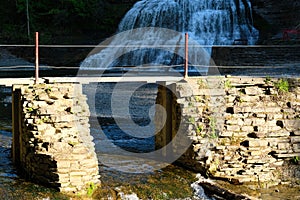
point(143, 35)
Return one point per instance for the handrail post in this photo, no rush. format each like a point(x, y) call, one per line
point(36, 58)
point(186, 64)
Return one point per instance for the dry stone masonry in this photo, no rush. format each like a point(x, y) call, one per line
point(242, 129)
point(52, 144)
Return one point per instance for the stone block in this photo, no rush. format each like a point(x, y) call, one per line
point(255, 153)
point(297, 133)
point(287, 151)
point(257, 143)
point(258, 121)
point(226, 134)
point(253, 91)
point(50, 131)
point(247, 98)
point(237, 121)
point(234, 128)
point(248, 121)
point(93, 171)
point(74, 165)
point(240, 109)
point(184, 90)
point(247, 128)
point(61, 147)
point(257, 135)
point(230, 99)
point(268, 129)
point(256, 161)
point(274, 116)
point(43, 126)
point(63, 164)
point(63, 171)
point(292, 124)
point(283, 146)
point(55, 95)
point(258, 110)
point(39, 104)
point(256, 148)
point(287, 155)
point(80, 149)
point(80, 156)
point(295, 139)
point(65, 184)
point(278, 163)
point(261, 115)
point(281, 133)
point(296, 148)
point(70, 189)
point(75, 180)
point(78, 173)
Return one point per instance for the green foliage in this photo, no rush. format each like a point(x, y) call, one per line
point(267, 80)
point(212, 125)
point(227, 84)
point(296, 159)
point(239, 99)
point(57, 19)
point(282, 85)
point(198, 98)
point(91, 188)
point(192, 120)
point(201, 84)
point(191, 104)
point(48, 89)
point(199, 129)
point(29, 110)
point(214, 166)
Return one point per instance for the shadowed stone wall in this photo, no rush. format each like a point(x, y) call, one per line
point(242, 129)
point(52, 144)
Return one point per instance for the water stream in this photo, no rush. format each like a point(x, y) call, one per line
point(152, 32)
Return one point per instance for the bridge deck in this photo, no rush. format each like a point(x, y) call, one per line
point(86, 80)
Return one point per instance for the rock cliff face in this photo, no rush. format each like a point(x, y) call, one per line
point(271, 16)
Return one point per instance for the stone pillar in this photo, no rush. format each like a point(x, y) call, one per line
point(16, 126)
point(52, 144)
point(164, 98)
point(243, 129)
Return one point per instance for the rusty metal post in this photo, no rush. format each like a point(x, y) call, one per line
point(36, 81)
point(186, 64)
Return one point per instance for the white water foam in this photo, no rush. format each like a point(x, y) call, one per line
point(208, 22)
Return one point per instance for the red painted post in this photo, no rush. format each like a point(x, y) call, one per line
point(36, 58)
point(186, 64)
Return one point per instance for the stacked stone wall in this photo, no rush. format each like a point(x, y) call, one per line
point(242, 129)
point(52, 144)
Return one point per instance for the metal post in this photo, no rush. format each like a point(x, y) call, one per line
point(36, 58)
point(186, 64)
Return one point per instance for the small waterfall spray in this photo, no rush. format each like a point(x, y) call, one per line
point(208, 22)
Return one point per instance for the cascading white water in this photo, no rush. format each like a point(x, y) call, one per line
point(208, 22)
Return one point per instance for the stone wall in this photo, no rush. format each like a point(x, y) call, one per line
point(242, 129)
point(52, 144)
